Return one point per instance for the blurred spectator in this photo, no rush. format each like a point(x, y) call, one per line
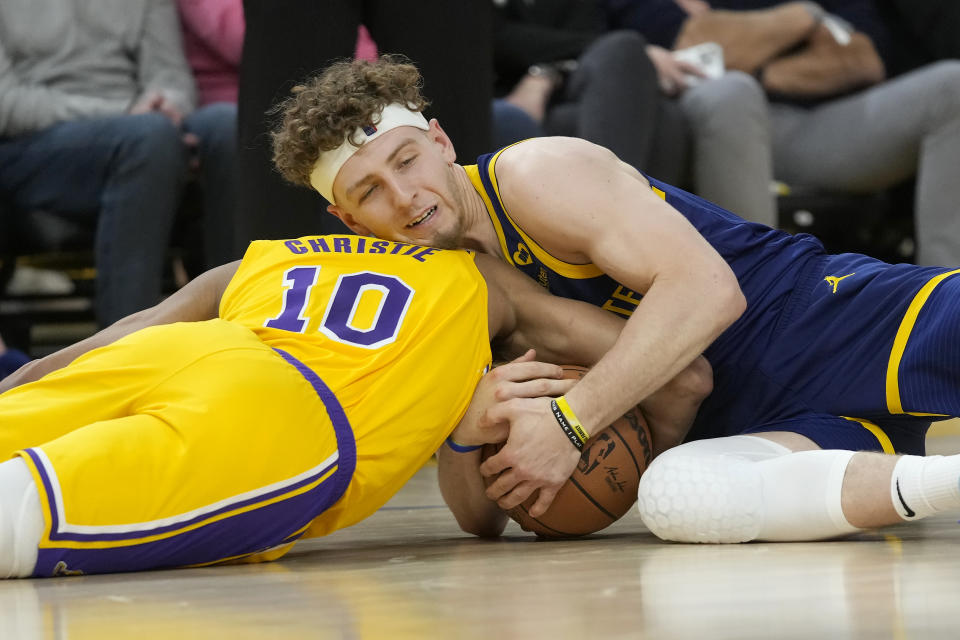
point(554, 60)
point(286, 40)
point(11, 359)
point(366, 48)
point(512, 124)
point(213, 41)
point(837, 125)
point(92, 98)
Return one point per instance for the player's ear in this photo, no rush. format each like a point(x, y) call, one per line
point(348, 220)
point(438, 136)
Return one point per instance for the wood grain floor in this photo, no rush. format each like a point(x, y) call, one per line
point(408, 572)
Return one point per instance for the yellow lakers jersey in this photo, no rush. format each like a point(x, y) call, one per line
point(338, 366)
point(398, 333)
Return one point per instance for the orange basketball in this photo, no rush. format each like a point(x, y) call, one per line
point(604, 485)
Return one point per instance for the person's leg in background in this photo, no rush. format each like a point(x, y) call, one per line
point(670, 152)
point(452, 45)
point(613, 99)
point(879, 137)
point(512, 124)
point(732, 163)
point(215, 126)
point(936, 209)
point(128, 172)
point(285, 41)
point(10, 359)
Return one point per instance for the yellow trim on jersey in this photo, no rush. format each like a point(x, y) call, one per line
point(473, 172)
point(659, 192)
point(877, 432)
point(565, 269)
point(900, 342)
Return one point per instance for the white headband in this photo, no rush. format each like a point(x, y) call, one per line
point(328, 164)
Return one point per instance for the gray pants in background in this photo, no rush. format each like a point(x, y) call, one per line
point(731, 162)
point(876, 138)
point(714, 139)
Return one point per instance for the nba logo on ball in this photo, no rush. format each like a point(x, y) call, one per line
point(370, 130)
point(604, 485)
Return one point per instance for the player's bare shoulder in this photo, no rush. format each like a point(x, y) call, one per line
point(552, 158)
point(558, 189)
point(557, 169)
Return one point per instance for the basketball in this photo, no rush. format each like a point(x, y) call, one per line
point(602, 488)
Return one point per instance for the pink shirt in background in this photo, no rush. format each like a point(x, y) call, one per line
point(366, 47)
point(213, 42)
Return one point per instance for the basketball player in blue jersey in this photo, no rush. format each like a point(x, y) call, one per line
point(818, 359)
point(284, 396)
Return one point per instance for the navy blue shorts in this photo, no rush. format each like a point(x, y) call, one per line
point(861, 354)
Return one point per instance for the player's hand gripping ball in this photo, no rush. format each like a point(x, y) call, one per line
point(604, 485)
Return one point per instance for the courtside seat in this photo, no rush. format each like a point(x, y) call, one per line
point(878, 224)
point(49, 240)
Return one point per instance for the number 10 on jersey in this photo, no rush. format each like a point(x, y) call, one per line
point(341, 309)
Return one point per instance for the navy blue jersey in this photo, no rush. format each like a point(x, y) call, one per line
point(813, 352)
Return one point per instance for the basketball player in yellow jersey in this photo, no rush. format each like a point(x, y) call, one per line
point(284, 396)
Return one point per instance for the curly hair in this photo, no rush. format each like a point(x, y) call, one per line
point(321, 113)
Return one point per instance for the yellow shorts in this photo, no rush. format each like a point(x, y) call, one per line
point(137, 469)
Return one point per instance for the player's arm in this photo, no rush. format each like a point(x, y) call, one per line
point(523, 314)
point(573, 332)
point(669, 411)
point(199, 299)
point(584, 205)
point(464, 492)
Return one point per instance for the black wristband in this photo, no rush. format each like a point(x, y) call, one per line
point(565, 425)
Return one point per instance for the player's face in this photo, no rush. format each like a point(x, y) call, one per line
point(402, 187)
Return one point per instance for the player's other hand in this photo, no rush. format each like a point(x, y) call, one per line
point(538, 456)
point(520, 378)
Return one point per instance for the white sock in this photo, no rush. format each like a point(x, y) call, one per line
point(924, 485)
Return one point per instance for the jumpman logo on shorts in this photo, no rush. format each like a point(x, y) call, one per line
point(834, 280)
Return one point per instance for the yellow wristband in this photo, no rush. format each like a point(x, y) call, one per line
point(572, 418)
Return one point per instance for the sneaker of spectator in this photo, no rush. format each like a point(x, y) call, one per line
point(28, 280)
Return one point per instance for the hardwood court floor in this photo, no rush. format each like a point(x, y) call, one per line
point(408, 572)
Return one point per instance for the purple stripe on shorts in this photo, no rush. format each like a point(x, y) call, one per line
point(47, 488)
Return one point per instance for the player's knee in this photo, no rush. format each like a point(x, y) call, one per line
point(691, 495)
point(744, 488)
